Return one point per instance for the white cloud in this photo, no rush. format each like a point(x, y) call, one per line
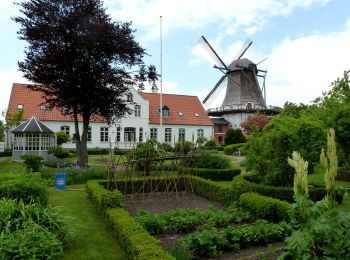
point(301, 69)
point(227, 15)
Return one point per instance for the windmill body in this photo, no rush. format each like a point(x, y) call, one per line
point(242, 85)
point(243, 97)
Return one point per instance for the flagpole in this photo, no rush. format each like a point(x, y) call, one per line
point(161, 82)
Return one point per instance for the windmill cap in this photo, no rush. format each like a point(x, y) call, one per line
point(242, 64)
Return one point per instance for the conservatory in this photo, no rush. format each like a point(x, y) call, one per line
point(32, 136)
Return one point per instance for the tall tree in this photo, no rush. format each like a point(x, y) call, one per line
point(81, 60)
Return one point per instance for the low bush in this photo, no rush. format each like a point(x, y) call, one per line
point(343, 174)
point(183, 147)
point(136, 241)
point(211, 160)
point(263, 207)
point(98, 151)
point(6, 153)
point(26, 187)
point(209, 243)
point(57, 163)
point(232, 148)
point(210, 143)
point(103, 198)
point(33, 161)
point(59, 152)
point(216, 174)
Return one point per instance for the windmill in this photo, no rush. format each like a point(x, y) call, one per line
point(241, 79)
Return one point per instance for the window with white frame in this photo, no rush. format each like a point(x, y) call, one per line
point(129, 134)
point(65, 129)
point(140, 134)
point(200, 133)
point(137, 110)
point(167, 135)
point(88, 138)
point(118, 134)
point(154, 133)
point(181, 134)
point(129, 97)
point(104, 134)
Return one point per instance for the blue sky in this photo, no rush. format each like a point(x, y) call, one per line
point(307, 42)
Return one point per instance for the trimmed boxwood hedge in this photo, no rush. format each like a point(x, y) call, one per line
point(137, 242)
point(231, 148)
point(282, 193)
point(103, 198)
point(216, 174)
point(263, 207)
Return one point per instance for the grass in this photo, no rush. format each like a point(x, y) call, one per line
point(91, 239)
point(7, 166)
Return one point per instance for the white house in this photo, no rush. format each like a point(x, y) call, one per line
point(184, 118)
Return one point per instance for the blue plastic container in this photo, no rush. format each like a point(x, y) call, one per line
point(60, 181)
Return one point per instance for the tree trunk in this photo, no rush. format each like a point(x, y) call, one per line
point(83, 158)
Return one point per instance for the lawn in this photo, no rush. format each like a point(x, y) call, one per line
point(91, 239)
point(7, 166)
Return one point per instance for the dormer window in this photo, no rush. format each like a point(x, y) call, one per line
point(129, 97)
point(181, 114)
point(20, 106)
point(166, 111)
point(196, 114)
point(42, 108)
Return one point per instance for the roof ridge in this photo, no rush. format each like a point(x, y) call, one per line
point(30, 120)
point(37, 123)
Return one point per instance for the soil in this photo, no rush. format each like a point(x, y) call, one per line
point(162, 202)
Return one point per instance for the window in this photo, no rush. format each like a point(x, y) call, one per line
point(42, 108)
point(167, 137)
point(20, 106)
point(140, 134)
point(165, 111)
point(196, 114)
point(118, 134)
point(181, 134)
point(129, 134)
point(220, 139)
point(88, 138)
point(154, 133)
point(137, 111)
point(65, 129)
point(104, 134)
point(200, 133)
point(129, 97)
point(181, 114)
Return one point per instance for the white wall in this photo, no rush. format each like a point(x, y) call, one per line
point(237, 118)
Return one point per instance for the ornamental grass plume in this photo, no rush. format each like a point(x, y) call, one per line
point(300, 178)
point(330, 163)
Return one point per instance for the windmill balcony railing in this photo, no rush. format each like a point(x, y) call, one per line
point(242, 108)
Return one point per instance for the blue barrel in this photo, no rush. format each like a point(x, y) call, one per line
point(60, 181)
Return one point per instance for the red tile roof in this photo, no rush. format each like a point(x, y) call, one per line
point(31, 100)
point(189, 106)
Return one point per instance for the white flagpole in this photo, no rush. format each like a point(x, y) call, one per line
point(161, 82)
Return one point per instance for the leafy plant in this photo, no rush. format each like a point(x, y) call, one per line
point(59, 152)
point(234, 136)
point(33, 161)
point(61, 138)
point(211, 160)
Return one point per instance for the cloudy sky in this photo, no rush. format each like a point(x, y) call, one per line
point(307, 42)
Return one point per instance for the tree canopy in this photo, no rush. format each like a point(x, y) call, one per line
point(81, 60)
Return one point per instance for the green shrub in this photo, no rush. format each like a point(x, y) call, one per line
point(33, 161)
point(29, 188)
point(31, 241)
point(98, 151)
point(231, 148)
point(61, 138)
point(212, 160)
point(6, 153)
point(183, 147)
point(103, 198)
point(210, 143)
point(57, 163)
point(59, 152)
point(263, 207)
point(234, 136)
point(216, 174)
point(137, 242)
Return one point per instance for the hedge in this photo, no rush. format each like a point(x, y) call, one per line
point(6, 153)
point(283, 193)
point(343, 175)
point(26, 187)
point(263, 207)
point(216, 174)
point(103, 198)
point(137, 242)
point(231, 148)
